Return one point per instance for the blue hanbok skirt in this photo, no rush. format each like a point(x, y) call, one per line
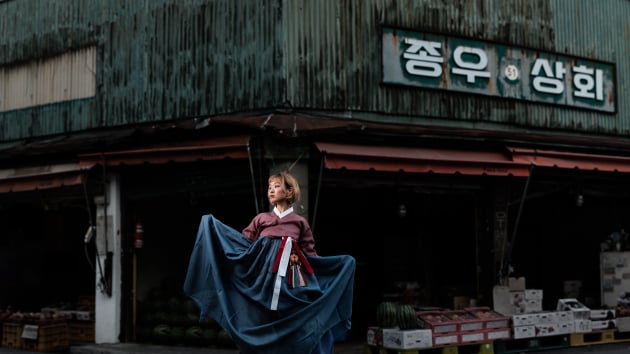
point(231, 279)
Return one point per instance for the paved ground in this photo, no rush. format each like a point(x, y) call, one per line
point(340, 348)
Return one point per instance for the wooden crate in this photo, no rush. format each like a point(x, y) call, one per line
point(12, 335)
point(48, 338)
point(81, 331)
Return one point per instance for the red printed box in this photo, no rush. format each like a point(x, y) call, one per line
point(445, 339)
point(375, 336)
point(437, 321)
point(498, 333)
point(466, 321)
point(472, 337)
point(489, 318)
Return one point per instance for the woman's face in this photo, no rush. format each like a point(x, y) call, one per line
point(276, 193)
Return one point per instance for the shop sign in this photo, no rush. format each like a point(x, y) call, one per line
point(457, 64)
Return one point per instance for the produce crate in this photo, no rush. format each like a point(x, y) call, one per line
point(47, 338)
point(490, 318)
point(466, 321)
point(81, 331)
point(437, 321)
point(12, 335)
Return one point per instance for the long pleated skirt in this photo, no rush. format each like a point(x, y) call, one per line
point(232, 279)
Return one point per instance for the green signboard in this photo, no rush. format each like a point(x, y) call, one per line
point(464, 65)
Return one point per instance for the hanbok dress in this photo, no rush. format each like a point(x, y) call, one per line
point(267, 287)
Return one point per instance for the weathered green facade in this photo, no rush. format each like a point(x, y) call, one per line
point(179, 59)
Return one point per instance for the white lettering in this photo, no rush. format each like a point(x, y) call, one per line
point(424, 58)
point(550, 83)
point(584, 82)
point(471, 70)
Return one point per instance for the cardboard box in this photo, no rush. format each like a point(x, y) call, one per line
point(606, 314)
point(565, 316)
point(579, 310)
point(501, 301)
point(498, 333)
point(566, 328)
point(531, 305)
point(407, 339)
point(491, 319)
point(519, 332)
point(548, 329)
point(524, 319)
point(445, 339)
point(546, 317)
point(516, 284)
point(582, 326)
point(603, 324)
point(470, 337)
point(623, 324)
point(437, 321)
point(375, 336)
point(533, 294)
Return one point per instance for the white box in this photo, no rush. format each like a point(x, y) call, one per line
point(603, 324)
point(523, 332)
point(549, 329)
point(532, 305)
point(546, 318)
point(565, 316)
point(606, 314)
point(582, 326)
point(407, 339)
point(566, 328)
point(524, 319)
point(533, 294)
point(623, 324)
point(579, 310)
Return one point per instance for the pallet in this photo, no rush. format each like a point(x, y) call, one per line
point(523, 345)
point(598, 337)
point(469, 348)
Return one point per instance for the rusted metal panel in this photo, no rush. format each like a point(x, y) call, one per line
point(173, 59)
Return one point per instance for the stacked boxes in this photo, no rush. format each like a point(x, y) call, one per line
point(581, 314)
point(542, 324)
point(516, 298)
point(471, 325)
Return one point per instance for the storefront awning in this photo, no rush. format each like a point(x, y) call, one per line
point(22, 179)
point(413, 159)
point(571, 160)
point(234, 147)
point(508, 161)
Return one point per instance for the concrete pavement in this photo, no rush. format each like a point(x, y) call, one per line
point(340, 348)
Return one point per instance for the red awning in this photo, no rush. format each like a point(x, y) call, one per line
point(23, 179)
point(234, 147)
point(571, 160)
point(412, 159)
point(510, 161)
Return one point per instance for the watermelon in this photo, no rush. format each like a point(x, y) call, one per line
point(161, 333)
point(386, 313)
point(406, 317)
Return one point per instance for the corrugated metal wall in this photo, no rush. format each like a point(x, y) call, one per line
point(171, 59)
point(343, 42)
point(157, 59)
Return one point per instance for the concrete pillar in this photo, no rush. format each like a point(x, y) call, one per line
point(108, 267)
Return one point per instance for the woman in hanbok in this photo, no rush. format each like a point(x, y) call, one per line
point(267, 286)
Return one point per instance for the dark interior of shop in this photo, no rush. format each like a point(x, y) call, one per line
point(415, 240)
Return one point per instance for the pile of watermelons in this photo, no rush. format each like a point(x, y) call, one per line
point(395, 315)
point(173, 319)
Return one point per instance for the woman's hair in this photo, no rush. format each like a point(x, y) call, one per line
point(290, 184)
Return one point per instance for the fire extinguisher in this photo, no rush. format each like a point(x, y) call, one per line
point(138, 236)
